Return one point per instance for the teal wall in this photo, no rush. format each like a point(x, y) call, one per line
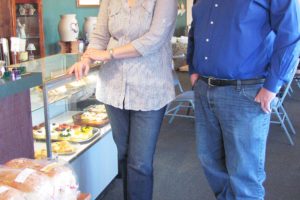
point(52, 9)
point(181, 19)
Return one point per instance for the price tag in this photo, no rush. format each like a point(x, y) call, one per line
point(23, 175)
point(3, 189)
point(49, 167)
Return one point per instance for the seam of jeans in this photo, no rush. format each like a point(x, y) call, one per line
point(261, 162)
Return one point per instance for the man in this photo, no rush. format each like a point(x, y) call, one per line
point(239, 55)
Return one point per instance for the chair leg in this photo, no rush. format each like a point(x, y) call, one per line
point(167, 109)
point(175, 112)
point(298, 83)
point(288, 120)
point(290, 91)
point(284, 127)
point(188, 112)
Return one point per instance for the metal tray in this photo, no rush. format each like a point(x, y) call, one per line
point(96, 132)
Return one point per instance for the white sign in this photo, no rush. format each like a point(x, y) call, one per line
point(88, 3)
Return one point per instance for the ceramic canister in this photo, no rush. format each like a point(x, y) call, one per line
point(88, 26)
point(68, 28)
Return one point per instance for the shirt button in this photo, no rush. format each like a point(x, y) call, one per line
point(205, 58)
point(207, 40)
point(216, 5)
point(211, 22)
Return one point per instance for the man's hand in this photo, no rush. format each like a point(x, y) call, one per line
point(193, 79)
point(265, 97)
point(80, 67)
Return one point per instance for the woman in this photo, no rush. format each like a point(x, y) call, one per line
point(135, 83)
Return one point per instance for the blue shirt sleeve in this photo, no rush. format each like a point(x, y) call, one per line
point(285, 22)
point(190, 50)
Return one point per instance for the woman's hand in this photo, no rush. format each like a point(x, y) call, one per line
point(97, 55)
point(80, 67)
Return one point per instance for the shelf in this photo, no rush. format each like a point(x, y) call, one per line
point(32, 37)
point(81, 148)
point(84, 87)
point(21, 16)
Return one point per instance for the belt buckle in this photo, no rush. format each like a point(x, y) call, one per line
point(209, 81)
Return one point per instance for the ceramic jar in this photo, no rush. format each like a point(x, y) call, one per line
point(88, 26)
point(68, 28)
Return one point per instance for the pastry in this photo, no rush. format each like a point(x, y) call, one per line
point(66, 134)
point(40, 154)
point(63, 147)
point(97, 109)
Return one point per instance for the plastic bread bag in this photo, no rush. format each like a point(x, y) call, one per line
point(34, 184)
point(9, 193)
point(60, 173)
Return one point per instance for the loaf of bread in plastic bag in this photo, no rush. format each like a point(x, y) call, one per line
point(9, 193)
point(33, 184)
point(61, 175)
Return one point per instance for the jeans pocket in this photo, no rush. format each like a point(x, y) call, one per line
point(250, 91)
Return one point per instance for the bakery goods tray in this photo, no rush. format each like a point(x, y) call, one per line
point(77, 120)
point(96, 132)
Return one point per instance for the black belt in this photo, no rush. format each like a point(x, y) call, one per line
point(224, 82)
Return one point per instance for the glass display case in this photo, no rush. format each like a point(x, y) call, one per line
point(73, 117)
point(76, 127)
point(28, 24)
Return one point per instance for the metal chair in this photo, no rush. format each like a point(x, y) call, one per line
point(184, 100)
point(279, 111)
point(297, 77)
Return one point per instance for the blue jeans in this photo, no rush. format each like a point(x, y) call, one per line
point(231, 134)
point(135, 134)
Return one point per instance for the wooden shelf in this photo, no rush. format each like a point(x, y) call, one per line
point(33, 23)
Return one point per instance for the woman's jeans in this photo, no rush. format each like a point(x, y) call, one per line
point(231, 134)
point(135, 134)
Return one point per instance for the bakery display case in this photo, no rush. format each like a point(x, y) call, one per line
point(69, 124)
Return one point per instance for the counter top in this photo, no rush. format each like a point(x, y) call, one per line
point(9, 87)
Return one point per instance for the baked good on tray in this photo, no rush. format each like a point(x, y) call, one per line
point(63, 148)
point(88, 118)
point(97, 108)
point(64, 131)
point(59, 148)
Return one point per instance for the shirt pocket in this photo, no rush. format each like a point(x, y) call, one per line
point(147, 13)
point(114, 17)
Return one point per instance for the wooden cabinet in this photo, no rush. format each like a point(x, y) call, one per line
point(13, 17)
point(5, 19)
point(27, 23)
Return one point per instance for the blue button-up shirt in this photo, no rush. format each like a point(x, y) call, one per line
point(245, 39)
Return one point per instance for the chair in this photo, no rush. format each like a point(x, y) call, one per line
point(184, 100)
point(297, 77)
point(279, 111)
